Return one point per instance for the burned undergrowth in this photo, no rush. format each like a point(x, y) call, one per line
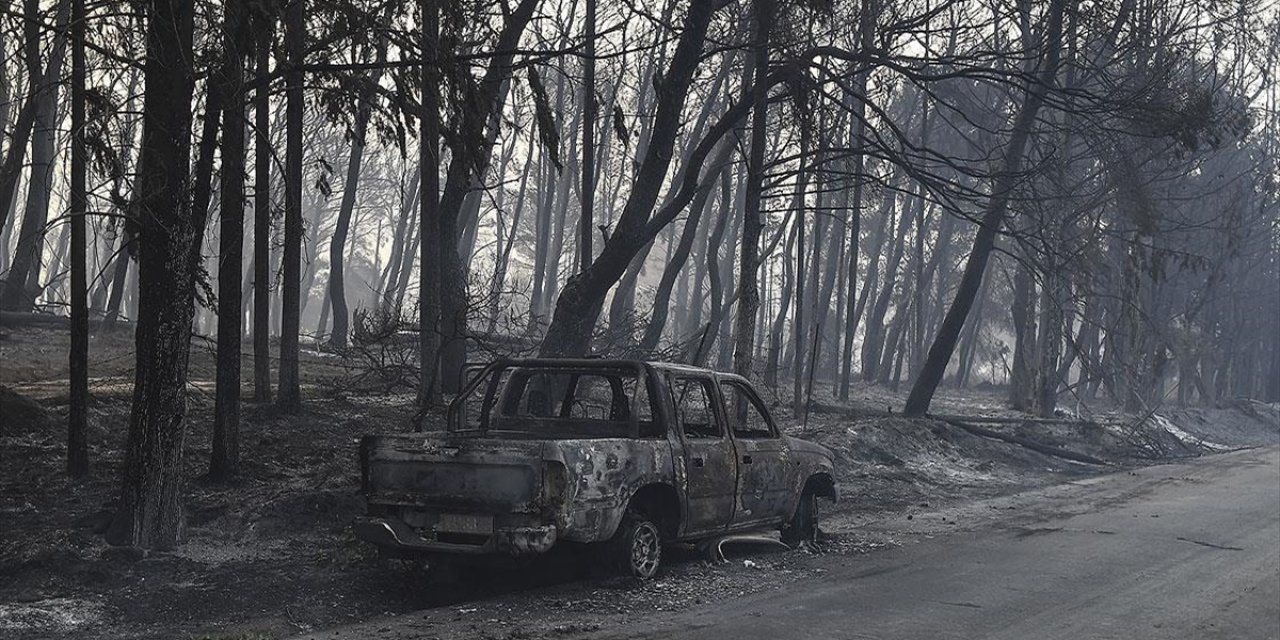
point(272, 554)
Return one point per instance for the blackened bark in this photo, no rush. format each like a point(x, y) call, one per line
point(799, 327)
point(662, 297)
point(11, 169)
point(168, 232)
point(338, 244)
point(78, 364)
point(290, 393)
point(20, 288)
point(583, 295)
point(119, 278)
point(866, 36)
point(225, 459)
point(749, 248)
point(432, 247)
point(400, 242)
point(589, 108)
point(993, 218)
point(467, 165)
point(1021, 372)
point(262, 219)
point(873, 341)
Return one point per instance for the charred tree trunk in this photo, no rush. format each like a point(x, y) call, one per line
point(583, 296)
point(401, 239)
point(168, 232)
point(1022, 371)
point(290, 392)
point(866, 35)
point(338, 244)
point(224, 461)
point(11, 169)
point(993, 218)
point(873, 341)
point(777, 330)
point(262, 218)
point(752, 224)
point(589, 108)
point(466, 166)
point(21, 287)
point(429, 285)
point(662, 298)
point(78, 361)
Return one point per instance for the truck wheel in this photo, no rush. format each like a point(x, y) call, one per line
point(803, 526)
point(638, 546)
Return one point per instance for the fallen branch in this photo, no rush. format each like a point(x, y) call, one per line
point(1048, 450)
point(818, 407)
point(20, 319)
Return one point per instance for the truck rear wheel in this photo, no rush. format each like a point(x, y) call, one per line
point(637, 546)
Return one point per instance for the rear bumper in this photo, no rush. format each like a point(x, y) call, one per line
point(392, 533)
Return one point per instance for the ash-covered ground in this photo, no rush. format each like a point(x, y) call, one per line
point(272, 555)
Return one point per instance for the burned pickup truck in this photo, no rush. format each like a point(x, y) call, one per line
point(624, 455)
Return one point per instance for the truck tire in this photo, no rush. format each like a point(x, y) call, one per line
point(637, 546)
point(803, 526)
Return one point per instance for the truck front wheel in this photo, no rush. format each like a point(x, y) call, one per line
point(637, 546)
point(803, 526)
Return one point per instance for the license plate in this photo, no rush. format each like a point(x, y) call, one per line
point(465, 523)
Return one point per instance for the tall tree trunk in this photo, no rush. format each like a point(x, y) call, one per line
point(262, 272)
point(777, 330)
point(752, 224)
point(119, 278)
point(338, 243)
point(400, 242)
point(715, 282)
point(78, 360)
point(225, 458)
point(466, 167)
point(582, 298)
point(11, 169)
point(22, 287)
point(169, 230)
point(1049, 342)
point(290, 393)
point(1023, 310)
point(6, 104)
point(866, 35)
point(589, 118)
point(992, 219)
point(662, 297)
point(503, 262)
point(969, 344)
point(429, 286)
point(873, 341)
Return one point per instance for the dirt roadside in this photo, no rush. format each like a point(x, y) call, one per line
point(616, 608)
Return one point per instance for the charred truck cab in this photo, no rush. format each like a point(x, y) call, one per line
point(622, 453)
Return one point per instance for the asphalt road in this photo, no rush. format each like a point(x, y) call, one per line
point(1178, 551)
point(1187, 551)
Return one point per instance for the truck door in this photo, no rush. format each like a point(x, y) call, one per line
point(710, 470)
point(765, 477)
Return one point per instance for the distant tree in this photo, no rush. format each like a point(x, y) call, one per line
point(944, 343)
